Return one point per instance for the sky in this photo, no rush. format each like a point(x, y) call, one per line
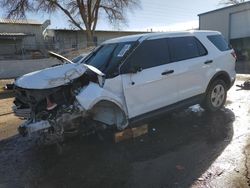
point(158, 15)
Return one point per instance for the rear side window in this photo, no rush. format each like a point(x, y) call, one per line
point(182, 48)
point(150, 53)
point(219, 42)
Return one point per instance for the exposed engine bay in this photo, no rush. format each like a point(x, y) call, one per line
point(56, 109)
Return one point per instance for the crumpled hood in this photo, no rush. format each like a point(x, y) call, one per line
point(51, 77)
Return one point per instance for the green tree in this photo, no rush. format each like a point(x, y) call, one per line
point(83, 14)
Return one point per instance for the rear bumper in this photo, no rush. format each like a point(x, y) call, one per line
point(232, 82)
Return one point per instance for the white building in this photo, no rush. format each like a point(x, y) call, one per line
point(233, 22)
point(17, 36)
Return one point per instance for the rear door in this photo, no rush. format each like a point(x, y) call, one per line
point(194, 62)
point(155, 85)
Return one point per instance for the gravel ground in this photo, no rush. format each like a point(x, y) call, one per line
point(184, 149)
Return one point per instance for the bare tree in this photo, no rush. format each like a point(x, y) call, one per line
point(231, 2)
point(83, 14)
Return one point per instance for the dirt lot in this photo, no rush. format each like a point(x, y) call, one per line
point(185, 149)
point(8, 122)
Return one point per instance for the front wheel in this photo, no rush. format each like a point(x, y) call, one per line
point(216, 96)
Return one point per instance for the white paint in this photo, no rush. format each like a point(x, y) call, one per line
point(54, 76)
point(93, 93)
point(50, 77)
point(192, 80)
point(151, 90)
point(146, 36)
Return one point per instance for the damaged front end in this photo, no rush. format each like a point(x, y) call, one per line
point(52, 110)
point(46, 99)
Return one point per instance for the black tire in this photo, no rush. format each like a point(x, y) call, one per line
point(216, 96)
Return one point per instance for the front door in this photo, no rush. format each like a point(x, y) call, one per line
point(155, 84)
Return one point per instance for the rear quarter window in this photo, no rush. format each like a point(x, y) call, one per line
point(219, 42)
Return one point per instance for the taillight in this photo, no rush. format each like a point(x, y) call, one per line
point(234, 55)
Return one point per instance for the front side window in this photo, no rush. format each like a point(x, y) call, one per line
point(182, 48)
point(150, 53)
point(77, 59)
point(108, 57)
point(219, 42)
point(118, 55)
point(100, 57)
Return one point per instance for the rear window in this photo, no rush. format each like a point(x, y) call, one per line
point(219, 42)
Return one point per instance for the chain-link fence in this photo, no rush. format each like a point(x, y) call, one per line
point(18, 51)
point(37, 51)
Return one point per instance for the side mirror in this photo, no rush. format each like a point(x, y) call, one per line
point(130, 69)
point(134, 69)
point(101, 80)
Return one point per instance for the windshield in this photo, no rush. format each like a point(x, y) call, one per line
point(77, 59)
point(107, 57)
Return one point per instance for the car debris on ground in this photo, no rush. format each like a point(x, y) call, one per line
point(245, 85)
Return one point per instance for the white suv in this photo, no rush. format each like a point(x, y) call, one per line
point(127, 80)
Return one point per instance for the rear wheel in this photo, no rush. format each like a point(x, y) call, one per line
point(216, 96)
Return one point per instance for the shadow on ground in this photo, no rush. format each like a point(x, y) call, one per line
point(176, 151)
point(6, 95)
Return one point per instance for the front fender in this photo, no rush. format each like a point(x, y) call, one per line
point(93, 93)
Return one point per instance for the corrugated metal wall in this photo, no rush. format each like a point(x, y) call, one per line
point(220, 20)
point(240, 24)
point(34, 30)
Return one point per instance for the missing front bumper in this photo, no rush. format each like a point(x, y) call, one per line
point(28, 127)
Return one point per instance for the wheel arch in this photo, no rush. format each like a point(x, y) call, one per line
point(109, 112)
point(220, 75)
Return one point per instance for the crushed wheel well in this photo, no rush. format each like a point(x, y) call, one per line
point(109, 113)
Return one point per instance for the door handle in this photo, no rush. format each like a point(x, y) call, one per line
point(167, 72)
point(208, 62)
